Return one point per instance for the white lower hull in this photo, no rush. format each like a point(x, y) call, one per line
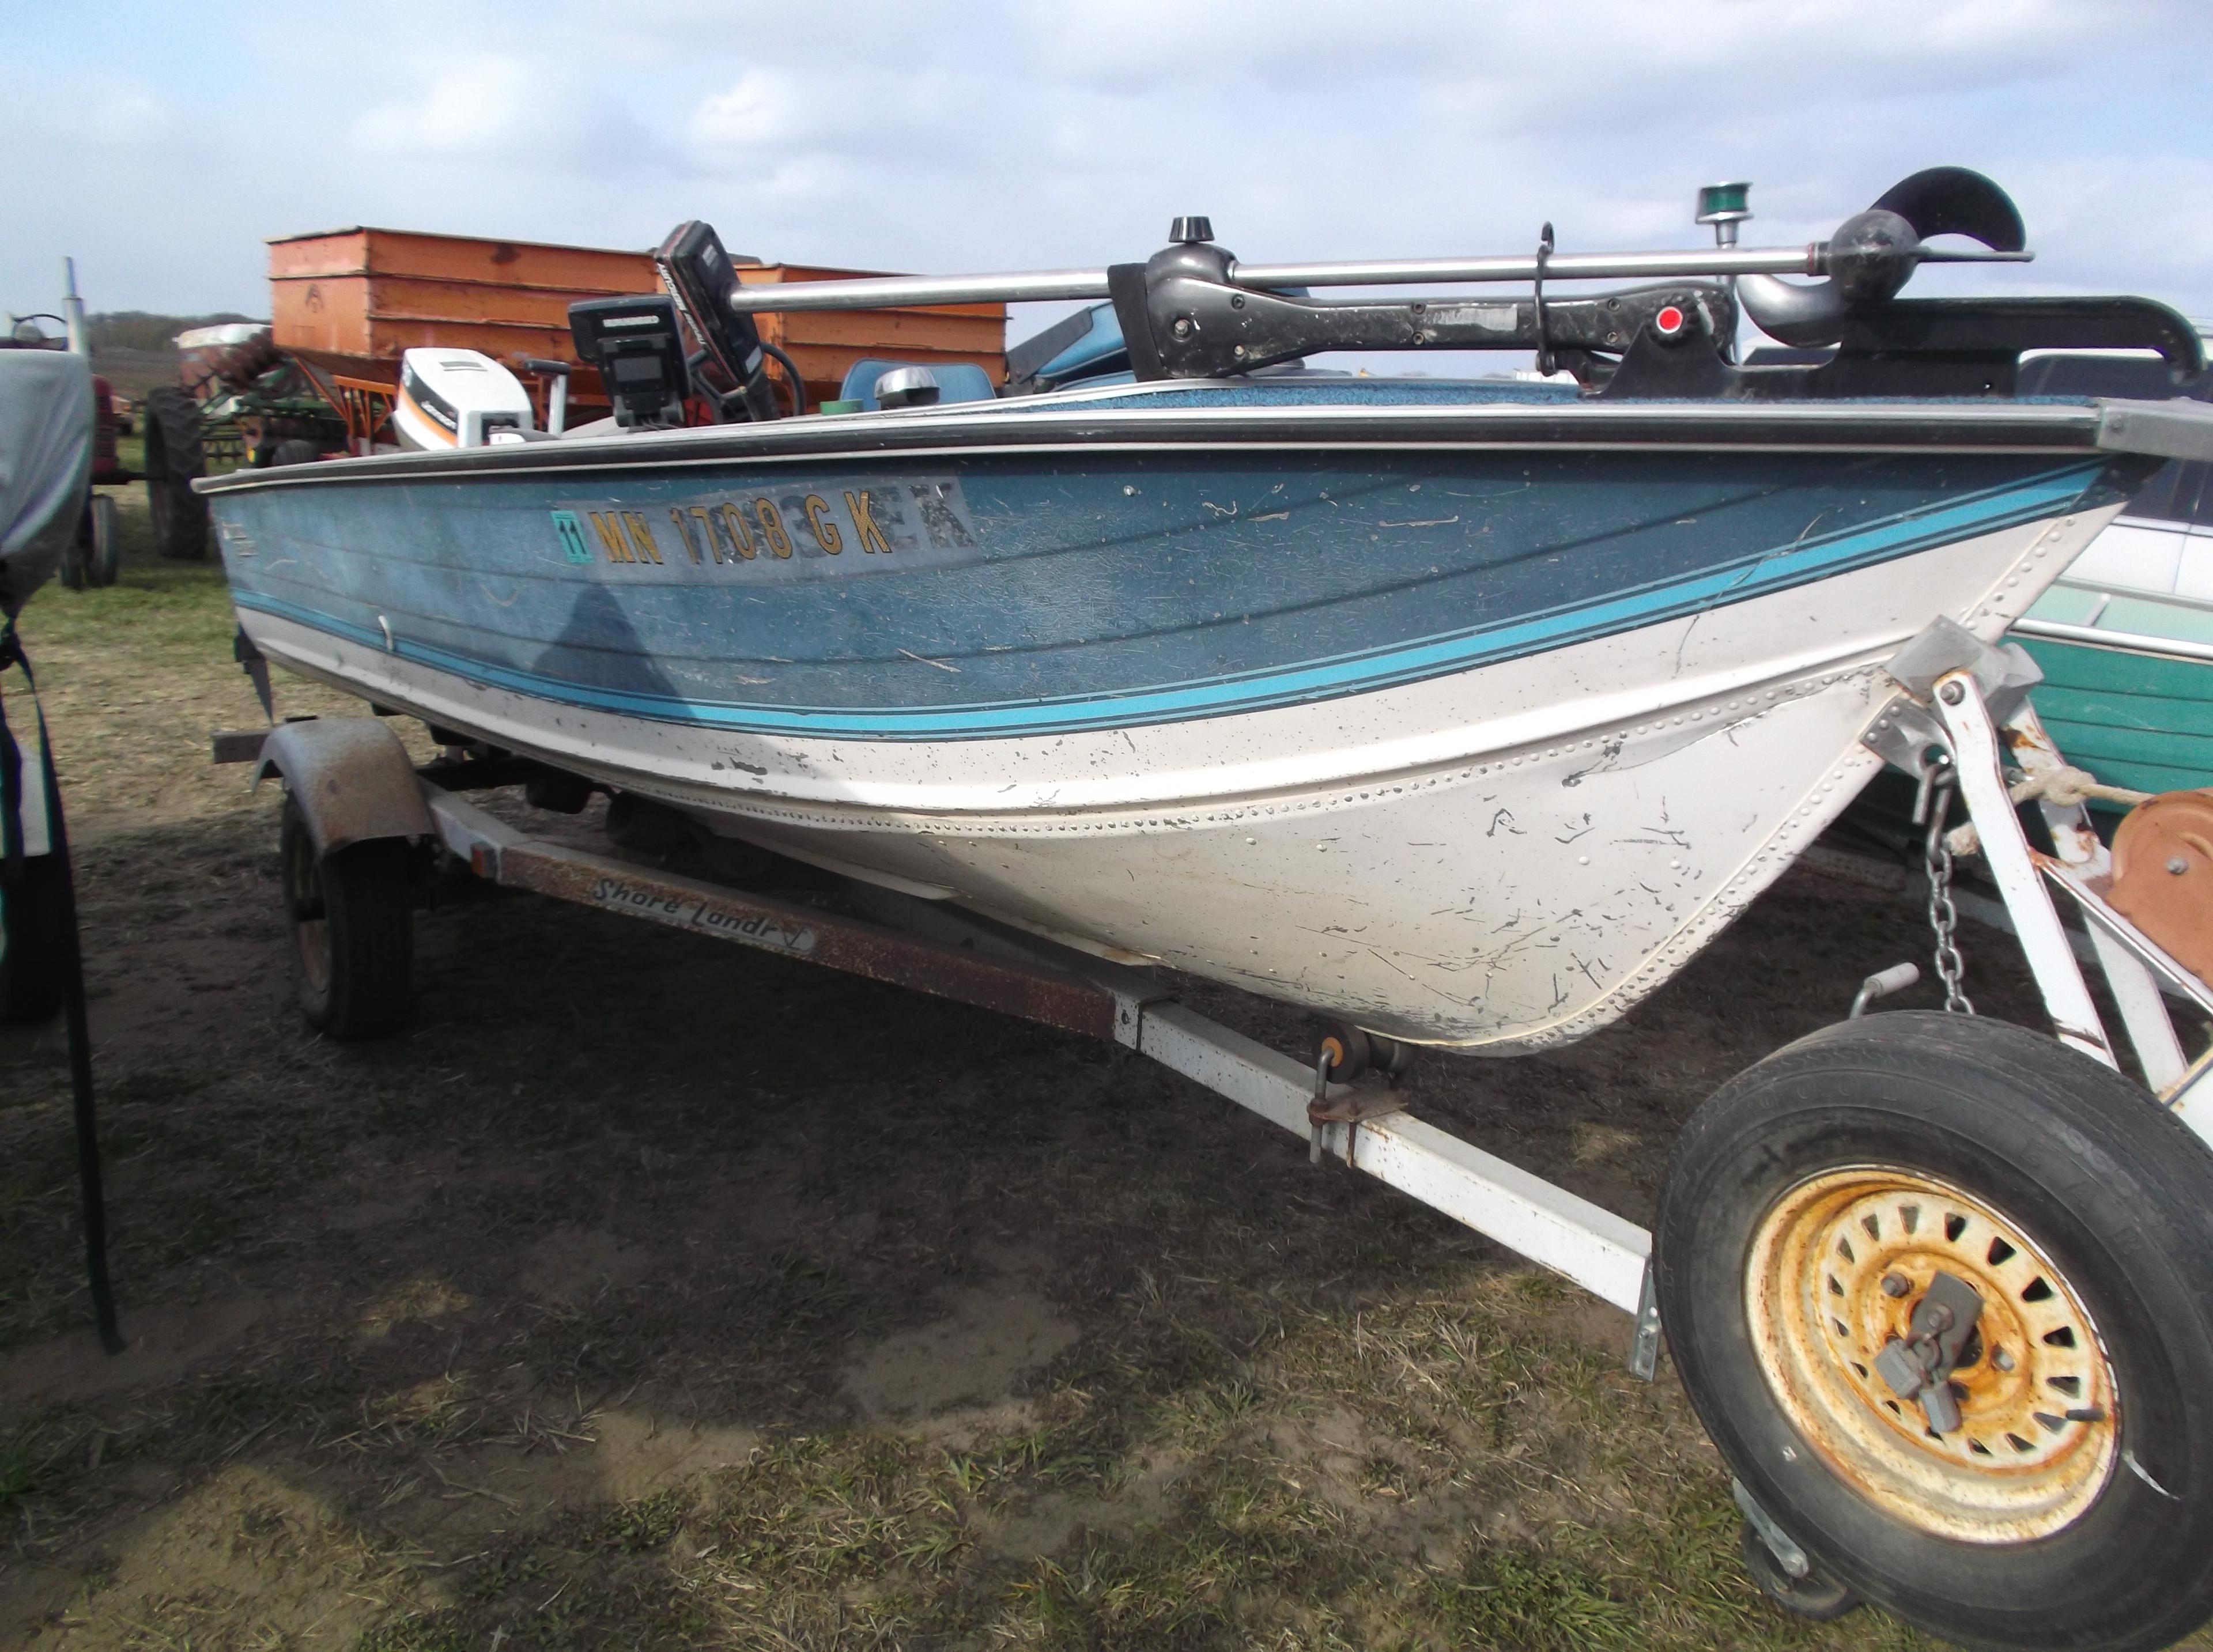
point(1504, 859)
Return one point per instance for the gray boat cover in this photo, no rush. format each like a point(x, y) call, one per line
point(45, 461)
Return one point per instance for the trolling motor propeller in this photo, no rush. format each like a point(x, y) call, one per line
point(1874, 253)
point(1953, 201)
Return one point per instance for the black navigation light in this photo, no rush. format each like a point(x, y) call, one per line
point(634, 343)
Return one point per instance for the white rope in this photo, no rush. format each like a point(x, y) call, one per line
point(2066, 787)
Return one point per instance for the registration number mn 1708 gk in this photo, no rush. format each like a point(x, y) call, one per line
point(828, 519)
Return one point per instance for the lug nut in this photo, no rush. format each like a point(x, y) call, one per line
point(1896, 1284)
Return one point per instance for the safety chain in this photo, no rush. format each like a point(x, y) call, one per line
point(1933, 803)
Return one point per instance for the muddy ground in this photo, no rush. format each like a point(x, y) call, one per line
point(653, 1292)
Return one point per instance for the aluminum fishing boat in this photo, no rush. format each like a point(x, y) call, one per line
point(1458, 711)
point(1464, 709)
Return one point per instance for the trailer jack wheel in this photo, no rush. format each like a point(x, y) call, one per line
point(1939, 1289)
point(352, 921)
point(1816, 1595)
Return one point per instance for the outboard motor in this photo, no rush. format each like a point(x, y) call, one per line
point(458, 399)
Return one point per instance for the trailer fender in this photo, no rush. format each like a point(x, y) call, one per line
point(351, 777)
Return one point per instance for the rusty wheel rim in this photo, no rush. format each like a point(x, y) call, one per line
point(2018, 1467)
point(314, 935)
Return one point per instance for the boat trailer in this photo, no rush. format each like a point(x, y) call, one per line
point(1963, 707)
point(353, 783)
point(1954, 1306)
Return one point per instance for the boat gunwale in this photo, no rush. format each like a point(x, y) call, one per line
point(998, 429)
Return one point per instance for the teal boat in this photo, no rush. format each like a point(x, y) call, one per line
point(2126, 637)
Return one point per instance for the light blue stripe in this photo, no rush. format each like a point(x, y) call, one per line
point(1797, 565)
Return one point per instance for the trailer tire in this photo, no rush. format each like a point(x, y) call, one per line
point(34, 910)
point(353, 936)
point(104, 552)
point(2073, 1506)
point(176, 455)
point(75, 567)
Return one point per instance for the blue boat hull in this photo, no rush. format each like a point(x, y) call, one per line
point(1466, 729)
point(1004, 597)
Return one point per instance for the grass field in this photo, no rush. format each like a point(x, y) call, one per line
point(649, 1293)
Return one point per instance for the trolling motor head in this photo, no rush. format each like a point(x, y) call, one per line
point(1190, 311)
point(1874, 253)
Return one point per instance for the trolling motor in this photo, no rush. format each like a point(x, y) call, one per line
point(1194, 311)
point(1185, 316)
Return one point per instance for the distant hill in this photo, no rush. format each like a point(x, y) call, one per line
point(134, 350)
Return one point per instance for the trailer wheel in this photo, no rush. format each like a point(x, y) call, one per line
point(352, 930)
point(75, 567)
point(104, 555)
point(175, 453)
point(1811, 1207)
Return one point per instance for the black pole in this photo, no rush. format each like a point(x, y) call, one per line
point(73, 1005)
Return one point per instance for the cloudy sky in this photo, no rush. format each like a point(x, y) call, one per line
point(161, 143)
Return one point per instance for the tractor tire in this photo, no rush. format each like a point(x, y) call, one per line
point(175, 455)
point(294, 450)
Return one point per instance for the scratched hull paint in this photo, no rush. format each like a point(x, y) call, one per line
point(1474, 747)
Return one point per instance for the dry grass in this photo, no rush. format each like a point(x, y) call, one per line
point(649, 1293)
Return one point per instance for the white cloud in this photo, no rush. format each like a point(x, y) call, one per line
point(928, 134)
point(766, 108)
point(488, 108)
point(126, 118)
